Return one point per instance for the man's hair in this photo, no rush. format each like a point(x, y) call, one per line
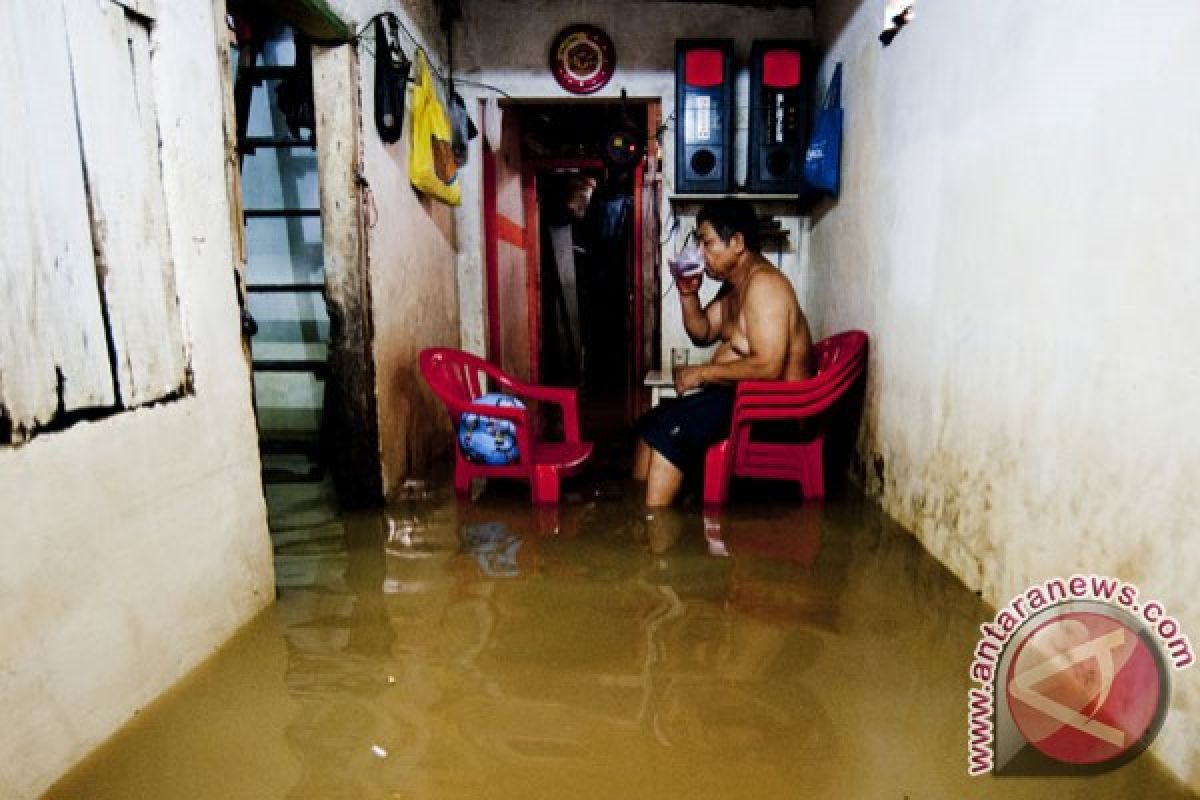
point(731, 215)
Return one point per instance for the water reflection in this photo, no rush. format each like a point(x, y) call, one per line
point(552, 636)
point(446, 649)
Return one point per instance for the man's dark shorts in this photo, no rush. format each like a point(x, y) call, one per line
point(682, 429)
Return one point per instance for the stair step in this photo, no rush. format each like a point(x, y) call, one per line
point(267, 73)
point(280, 288)
point(252, 143)
point(315, 366)
point(255, 213)
point(313, 474)
point(283, 443)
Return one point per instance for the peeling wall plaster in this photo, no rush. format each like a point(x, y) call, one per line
point(134, 546)
point(93, 326)
point(1015, 233)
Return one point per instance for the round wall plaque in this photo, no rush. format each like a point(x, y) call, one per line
point(582, 58)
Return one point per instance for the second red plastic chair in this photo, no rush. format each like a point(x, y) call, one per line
point(840, 360)
point(457, 378)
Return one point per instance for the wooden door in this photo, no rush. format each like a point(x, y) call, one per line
point(506, 238)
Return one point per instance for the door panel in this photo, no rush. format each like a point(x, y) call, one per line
point(506, 239)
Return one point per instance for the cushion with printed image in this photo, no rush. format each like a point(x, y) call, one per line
point(489, 440)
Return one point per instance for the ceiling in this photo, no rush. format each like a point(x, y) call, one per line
point(754, 3)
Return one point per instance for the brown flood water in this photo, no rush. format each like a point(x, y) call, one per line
point(447, 650)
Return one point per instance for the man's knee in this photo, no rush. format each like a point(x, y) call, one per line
point(663, 480)
point(641, 460)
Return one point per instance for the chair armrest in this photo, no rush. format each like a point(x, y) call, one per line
point(767, 388)
point(561, 396)
point(567, 399)
point(553, 394)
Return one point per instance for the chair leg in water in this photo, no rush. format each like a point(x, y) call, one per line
point(462, 481)
point(716, 474)
point(545, 485)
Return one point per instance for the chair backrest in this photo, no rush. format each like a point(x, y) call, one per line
point(451, 374)
point(840, 360)
point(457, 377)
point(839, 351)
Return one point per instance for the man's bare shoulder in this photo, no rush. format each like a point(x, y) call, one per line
point(769, 281)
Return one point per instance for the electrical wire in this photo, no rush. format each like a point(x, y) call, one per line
point(488, 86)
point(663, 243)
point(664, 127)
point(670, 231)
point(358, 39)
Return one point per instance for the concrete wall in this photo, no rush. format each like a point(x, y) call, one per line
point(135, 545)
point(410, 252)
point(1016, 234)
point(644, 35)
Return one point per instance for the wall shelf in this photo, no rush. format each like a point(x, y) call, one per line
point(703, 198)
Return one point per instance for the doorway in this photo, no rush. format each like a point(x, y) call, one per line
point(583, 211)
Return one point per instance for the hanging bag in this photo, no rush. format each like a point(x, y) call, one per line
point(391, 80)
point(431, 165)
point(822, 162)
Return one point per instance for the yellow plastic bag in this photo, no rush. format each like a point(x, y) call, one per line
point(431, 165)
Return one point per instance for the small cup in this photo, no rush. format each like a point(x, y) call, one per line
point(687, 263)
point(679, 358)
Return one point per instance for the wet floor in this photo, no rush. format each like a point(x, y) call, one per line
point(448, 650)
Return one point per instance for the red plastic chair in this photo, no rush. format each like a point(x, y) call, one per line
point(840, 360)
point(457, 378)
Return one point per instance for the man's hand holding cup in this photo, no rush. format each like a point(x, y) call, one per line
point(689, 284)
point(687, 268)
point(688, 379)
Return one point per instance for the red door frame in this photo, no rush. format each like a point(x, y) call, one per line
point(533, 264)
point(491, 260)
point(639, 302)
point(533, 255)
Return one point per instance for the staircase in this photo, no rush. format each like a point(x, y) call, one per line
point(285, 279)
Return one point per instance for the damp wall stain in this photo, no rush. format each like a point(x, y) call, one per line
point(1028, 408)
point(410, 268)
point(135, 545)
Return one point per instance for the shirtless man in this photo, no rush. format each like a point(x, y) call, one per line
point(763, 334)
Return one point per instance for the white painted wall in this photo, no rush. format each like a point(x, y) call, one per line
point(1016, 234)
point(134, 546)
point(505, 43)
